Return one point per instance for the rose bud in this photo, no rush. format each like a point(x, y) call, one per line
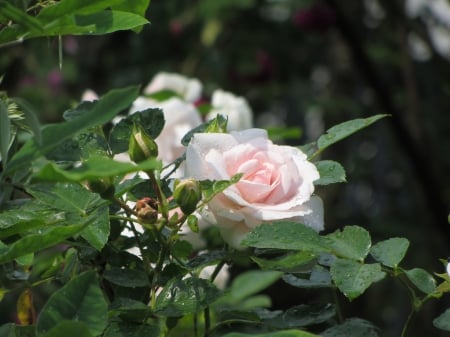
point(146, 210)
point(187, 193)
point(141, 146)
point(103, 186)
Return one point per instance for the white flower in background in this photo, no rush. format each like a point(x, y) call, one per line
point(222, 277)
point(89, 95)
point(189, 89)
point(436, 15)
point(236, 108)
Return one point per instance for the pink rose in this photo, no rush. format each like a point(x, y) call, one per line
point(277, 181)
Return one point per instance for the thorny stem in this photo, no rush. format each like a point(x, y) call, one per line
point(157, 270)
point(123, 205)
point(159, 193)
point(207, 311)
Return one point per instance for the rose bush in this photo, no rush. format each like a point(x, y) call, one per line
point(276, 183)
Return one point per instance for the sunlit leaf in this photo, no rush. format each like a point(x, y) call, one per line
point(352, 278)
point(423, 280)
point(94, 168)
point(184, 296)
point(390, 252)
point(286, 235)
point(330, 172)
point(296, 262)
point(54, 134)
point(352, 242)
point(36, 242)
point(343, 130)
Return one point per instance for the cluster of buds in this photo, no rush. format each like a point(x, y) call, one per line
point(147, 210)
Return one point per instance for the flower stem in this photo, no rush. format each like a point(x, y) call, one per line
point(162, 205)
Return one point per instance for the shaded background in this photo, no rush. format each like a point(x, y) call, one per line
point(310, 64)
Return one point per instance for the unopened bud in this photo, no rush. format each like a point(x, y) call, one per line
point(217, 125)
point(103, 186)
point(187, 193)
point(141, 146)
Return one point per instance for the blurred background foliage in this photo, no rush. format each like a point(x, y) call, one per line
point(305, 63)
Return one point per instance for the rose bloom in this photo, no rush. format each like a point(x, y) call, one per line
point(180, 117)
point(188, 88)
point(235, 108)
point(277, 181)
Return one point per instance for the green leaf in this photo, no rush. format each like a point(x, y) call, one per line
point(5, 133)
point(390, 252)
point(52, 135)
point(136, 6)
point(36, 242)
point(354, 327)
point(97, 232)
point(69, 329)
point(343, 130)
point(283, 133)
point(12, 330)
point(30, 216)
point(67, 7)
point(330, 172)
point(217, 124)
point(285, 333)
point(248, 284)
point(443, 321)
point(302, 316)
point(353, 278)
point(79, 204)
point(286, 235)
point(20, 17)
point(69, 197)
point(182, 297)
point(296, 262)
point(31, 118)
point(94, 168)
point(422, 280)
point(151, 120)
point(102, 22)
point(352, 242)
point(80, 300)
point(128, 329)
point(126, 277)
point(319, 278)
point(211, 188)
point(129, 309)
